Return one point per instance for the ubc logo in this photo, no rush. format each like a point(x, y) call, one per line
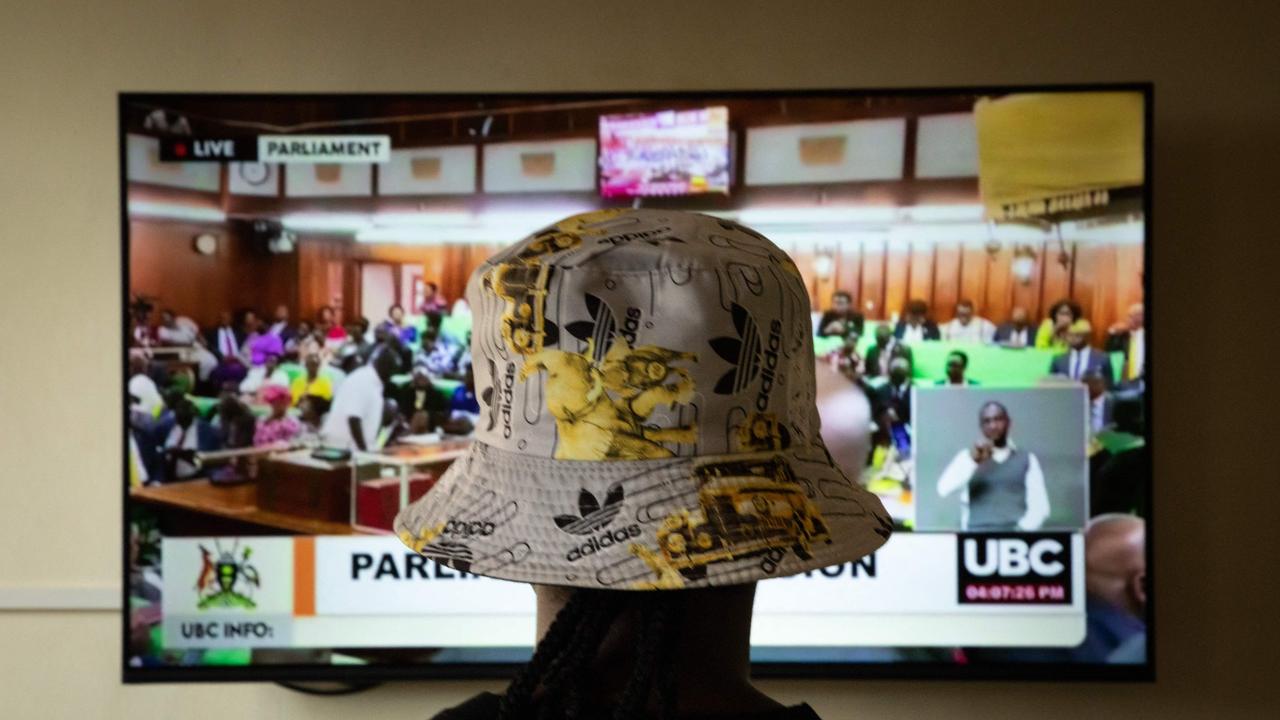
point(1013, 557)
point(1014, 568)
point(592, 515)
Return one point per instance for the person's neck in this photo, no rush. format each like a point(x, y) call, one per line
point(1001, 443)
point(713, 653)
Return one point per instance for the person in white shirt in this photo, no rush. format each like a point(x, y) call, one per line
point(144, 396)
point(175, 330)
point(356, 414)
point(1001, 486)
point(966, 327)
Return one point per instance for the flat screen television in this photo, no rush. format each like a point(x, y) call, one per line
point(971, 254)
point(664, 153)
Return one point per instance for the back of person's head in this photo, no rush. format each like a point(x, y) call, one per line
point(638, 520)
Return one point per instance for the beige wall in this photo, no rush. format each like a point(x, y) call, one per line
point(1218, 120)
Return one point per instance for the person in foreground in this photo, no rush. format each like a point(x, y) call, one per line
point(642, 525)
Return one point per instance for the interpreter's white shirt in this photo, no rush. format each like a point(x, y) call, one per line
point(960, 471)
point(148, 395)
point(978, 330)
point(360, 396)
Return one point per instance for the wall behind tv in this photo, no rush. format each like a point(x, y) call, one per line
point(1216, 145)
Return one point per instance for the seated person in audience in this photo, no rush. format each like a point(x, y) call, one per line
point(144, 396)
point(187, 436)
point(279, 427)
point(1052, 334)
point(432, 300)
point(916, 325)
point(236, 426)
point(302, 342)
point(885, 349)
point(141, 334)
point(314, 380)
point(311, 412)
point(356, 339)
point(280, 326)
point(356, 414)
point(252, 326)
point(394, 324)
point(889, 460)
point(1080, 359)
point(1017, 332)
point(957, 365)
point(265, 355)
point(225, 340)
point(423, 405)
point(331, 333)
point(897, 392)
point(448, 358)
point(175, 330)
point(966, 327)
point(234, 421)
point(464, 408)
point(1129, 338)
point(1100, 401)
point(842, 319)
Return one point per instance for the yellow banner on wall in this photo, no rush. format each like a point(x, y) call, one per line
point(1047, 153)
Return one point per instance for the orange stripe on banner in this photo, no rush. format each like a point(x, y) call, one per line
point(304, 576)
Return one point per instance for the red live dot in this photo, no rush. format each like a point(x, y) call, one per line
point(180, 150)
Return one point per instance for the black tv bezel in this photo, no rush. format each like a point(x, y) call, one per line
point(363, 674)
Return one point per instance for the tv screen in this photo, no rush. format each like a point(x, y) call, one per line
point(669, 152)
point(977, 262)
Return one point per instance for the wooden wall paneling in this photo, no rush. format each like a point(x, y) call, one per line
point(1026, 295)
point(1057, 278)
point(871, 298)
point(973, 277)
point(999, 287)
point(946, 280)
point(921, 282)
point(896, 276)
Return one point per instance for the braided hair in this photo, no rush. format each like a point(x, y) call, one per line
point(562, 662)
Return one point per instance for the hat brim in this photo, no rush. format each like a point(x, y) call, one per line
point(679, 522)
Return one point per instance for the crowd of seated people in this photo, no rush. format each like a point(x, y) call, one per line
point(885, 367)
point(247, 382)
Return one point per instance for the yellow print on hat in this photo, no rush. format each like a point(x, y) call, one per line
point(745, 508)
point(523, 282)
point(600, 408)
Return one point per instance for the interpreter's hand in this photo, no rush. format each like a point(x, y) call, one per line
point(981, 451)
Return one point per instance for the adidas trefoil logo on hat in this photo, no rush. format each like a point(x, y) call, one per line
point(591, 514)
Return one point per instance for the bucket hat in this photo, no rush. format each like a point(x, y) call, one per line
point(646, 381)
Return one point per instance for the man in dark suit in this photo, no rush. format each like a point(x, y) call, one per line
point(1081, 360)
point(896, 393)
point(841, 320)
point(916, 325)
point(226, 339)
point(1016, 333)
point(887, 347)
point(280, 325)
